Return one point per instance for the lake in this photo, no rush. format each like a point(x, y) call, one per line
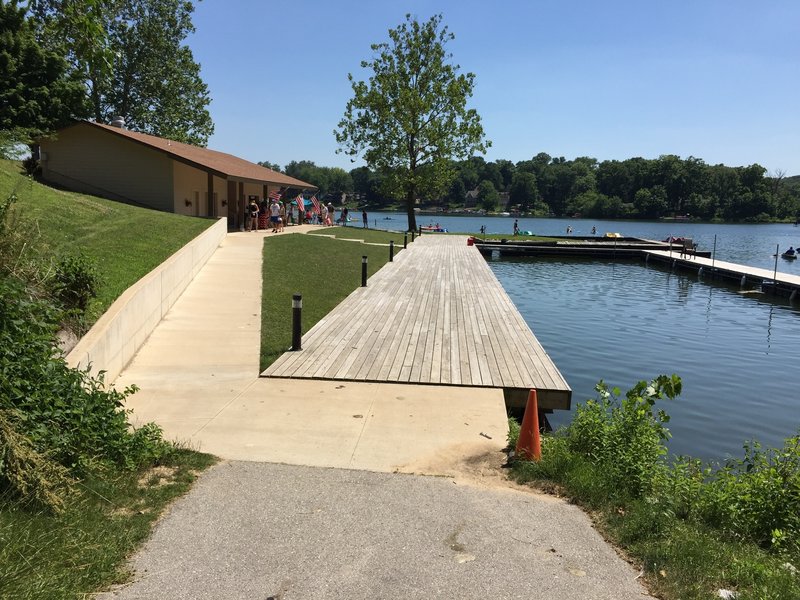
point(624, 321)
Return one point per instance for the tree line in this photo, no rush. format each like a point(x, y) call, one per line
point(635, 188)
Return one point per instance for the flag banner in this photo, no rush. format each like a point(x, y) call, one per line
point(300, 204)
point(274, 195)
point(315, 202)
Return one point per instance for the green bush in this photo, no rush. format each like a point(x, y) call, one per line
point(757, 498)
point(67, 415)
point(626, 437)
point(75, 282)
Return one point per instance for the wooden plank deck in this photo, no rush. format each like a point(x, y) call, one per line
point(735, 270)
point(436, 315)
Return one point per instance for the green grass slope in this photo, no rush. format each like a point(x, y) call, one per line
point(125, 242)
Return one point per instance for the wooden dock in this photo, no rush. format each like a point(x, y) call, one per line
point(779, 283)
point(436, 315)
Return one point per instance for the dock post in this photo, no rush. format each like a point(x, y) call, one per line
point(714, 251)
point(775, 272)
point(405, 240)
point(391, 250)
point(412, 235)
point(297, 314)
point(363, 271)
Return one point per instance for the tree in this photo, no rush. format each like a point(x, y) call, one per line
point(274, 166)
point(131, 55)
point(488, 196)
point(36, 94)
point(411, 116)
point(457, 193)
point(524, 191)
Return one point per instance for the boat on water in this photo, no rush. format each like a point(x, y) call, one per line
point(433, 229)
point(788, 256)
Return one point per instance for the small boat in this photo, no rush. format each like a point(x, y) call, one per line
point(432, 229)
point(788, 256)
point(610, 234)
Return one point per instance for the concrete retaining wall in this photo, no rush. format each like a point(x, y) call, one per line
point(116, 337)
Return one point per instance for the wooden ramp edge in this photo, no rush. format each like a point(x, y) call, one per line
point(436, 315)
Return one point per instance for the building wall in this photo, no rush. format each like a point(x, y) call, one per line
point(89, 160)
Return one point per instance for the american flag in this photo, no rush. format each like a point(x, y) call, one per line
point(300, 204)
point(274, 195)
point(315, 202)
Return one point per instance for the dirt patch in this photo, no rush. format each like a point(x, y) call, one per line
point(157, 476)
point(471, 464)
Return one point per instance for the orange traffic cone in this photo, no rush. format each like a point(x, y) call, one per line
point(528, 444)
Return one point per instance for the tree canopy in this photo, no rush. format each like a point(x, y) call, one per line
point(133, 62)
point(37, 95)
point(411, 117)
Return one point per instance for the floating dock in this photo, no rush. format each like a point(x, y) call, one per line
point(594, 247)
point(436, 315)
point(771, 280)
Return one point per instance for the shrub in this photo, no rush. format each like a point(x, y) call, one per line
point(67, 414)
point(625, 437)
point(75, 282)
point(757, 498)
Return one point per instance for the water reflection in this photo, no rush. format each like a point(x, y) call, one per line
point(624, 321)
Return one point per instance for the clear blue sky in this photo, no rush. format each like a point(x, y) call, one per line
point(714, 79)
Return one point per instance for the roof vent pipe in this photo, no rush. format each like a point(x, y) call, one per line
point(118, 122)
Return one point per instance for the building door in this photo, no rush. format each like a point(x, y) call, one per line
point(233, 202)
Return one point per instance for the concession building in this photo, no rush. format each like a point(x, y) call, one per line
point(115, 163)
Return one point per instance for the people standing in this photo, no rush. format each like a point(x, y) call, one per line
point(253, 213)
point(516, 227)
point(364, 222)
point(324, 216)
point(274, 215)
point(331, 214)
point(345, 212)
point(282, 218)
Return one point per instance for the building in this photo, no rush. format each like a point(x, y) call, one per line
point(112, 162)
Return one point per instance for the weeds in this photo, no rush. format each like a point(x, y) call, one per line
point(695, 527)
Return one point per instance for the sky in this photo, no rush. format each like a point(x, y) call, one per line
point(714, 79)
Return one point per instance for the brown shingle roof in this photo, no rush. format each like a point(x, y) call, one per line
point(220, 163)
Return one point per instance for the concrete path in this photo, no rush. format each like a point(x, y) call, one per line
point(198, 376)
point(297, 530)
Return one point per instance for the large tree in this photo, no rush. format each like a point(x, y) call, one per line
point(132, 58)
point(411, 117)
point(36, 94)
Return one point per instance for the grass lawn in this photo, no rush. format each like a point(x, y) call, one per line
point(72, 555)
point(125, 242)
point(373, 236)
point(324, 270)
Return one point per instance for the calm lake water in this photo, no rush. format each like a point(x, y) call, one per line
point(624, 321)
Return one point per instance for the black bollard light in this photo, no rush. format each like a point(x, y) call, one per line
point(412, 235)
point(405, 240)
point(297, 313)
point(391, 250)
point(363, 271)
